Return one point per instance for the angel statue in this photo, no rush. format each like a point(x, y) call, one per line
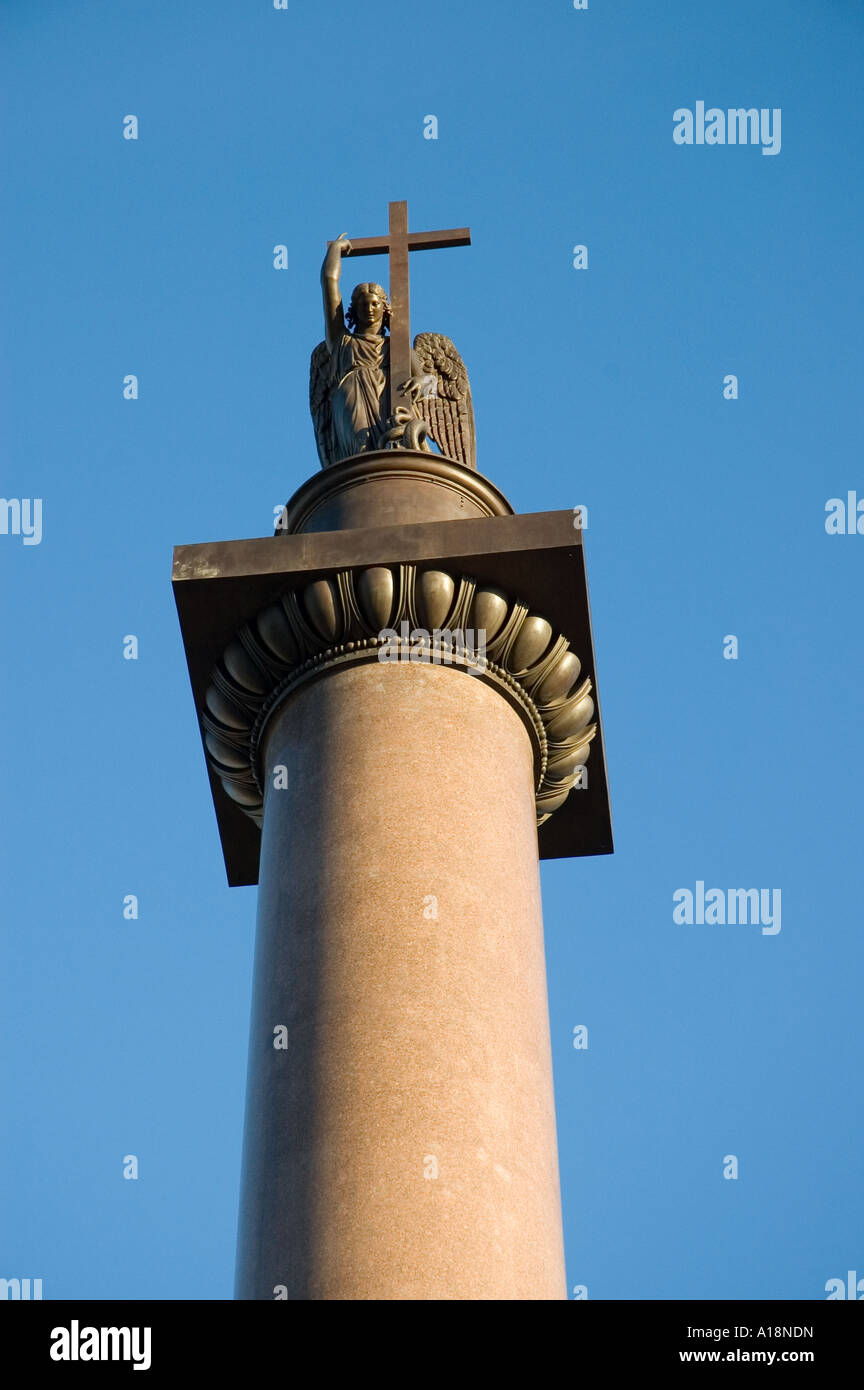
point(349, 380)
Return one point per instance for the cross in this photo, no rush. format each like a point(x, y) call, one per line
point(398, 242)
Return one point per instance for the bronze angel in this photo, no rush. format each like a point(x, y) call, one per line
point(349, 381)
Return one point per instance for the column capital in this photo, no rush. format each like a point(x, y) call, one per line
point(261, 617)
point(399, 613)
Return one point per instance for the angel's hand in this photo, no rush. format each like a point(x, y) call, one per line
point(335, 251)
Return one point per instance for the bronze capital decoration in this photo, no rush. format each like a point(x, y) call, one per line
point(352, 618)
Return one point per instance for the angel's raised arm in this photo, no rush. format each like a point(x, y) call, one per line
point(334, 318)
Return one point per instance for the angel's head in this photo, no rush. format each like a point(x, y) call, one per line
point(370, 309)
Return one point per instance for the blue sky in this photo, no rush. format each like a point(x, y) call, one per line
point(601, 387)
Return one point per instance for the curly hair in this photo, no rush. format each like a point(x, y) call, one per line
point(368, 285)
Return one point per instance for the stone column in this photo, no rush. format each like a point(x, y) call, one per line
point(400, 1129)
point(400, 1138)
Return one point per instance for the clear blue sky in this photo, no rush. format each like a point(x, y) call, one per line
point(601, 387)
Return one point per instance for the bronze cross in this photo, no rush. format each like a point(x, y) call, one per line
point(398, 242)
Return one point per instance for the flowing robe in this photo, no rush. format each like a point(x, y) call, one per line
point(359, 392)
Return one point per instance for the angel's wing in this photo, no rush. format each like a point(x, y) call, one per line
point(319, 402)
point(450, 414)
